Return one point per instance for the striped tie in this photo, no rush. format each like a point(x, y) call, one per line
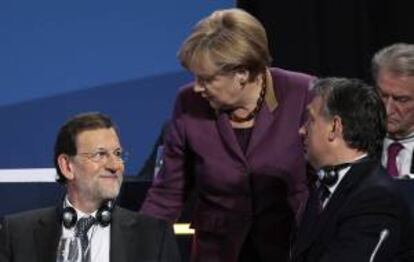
point(81, 231)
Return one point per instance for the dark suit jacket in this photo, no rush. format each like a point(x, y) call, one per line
point(34, 236)
point(236, 193)
point(365, 202)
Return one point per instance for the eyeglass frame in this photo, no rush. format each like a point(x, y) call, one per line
point(102, 155)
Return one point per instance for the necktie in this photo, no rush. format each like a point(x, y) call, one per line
point(393, 151)
point(81, 231)
point(314, 207)
point(323, 193)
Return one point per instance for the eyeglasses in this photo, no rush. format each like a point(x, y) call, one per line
point(103, 155)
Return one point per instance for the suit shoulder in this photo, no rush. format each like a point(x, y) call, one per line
point(286, 76)
point(375, 191)
point(140, 217)
point(30, 215)
point(21, 223)
point(292, 87)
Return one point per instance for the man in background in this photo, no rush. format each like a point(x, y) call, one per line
point(393, 71)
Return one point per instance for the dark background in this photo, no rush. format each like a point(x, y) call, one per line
point(332, 37)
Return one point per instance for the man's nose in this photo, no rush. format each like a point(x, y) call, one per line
point(389, 105)
point(114, 163)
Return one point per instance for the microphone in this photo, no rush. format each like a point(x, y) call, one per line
point(382, 237)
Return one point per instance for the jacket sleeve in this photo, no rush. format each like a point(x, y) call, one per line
point(170, 188)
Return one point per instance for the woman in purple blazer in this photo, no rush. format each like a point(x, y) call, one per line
point(233, 138)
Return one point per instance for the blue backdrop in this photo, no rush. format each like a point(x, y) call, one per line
point(59, 58)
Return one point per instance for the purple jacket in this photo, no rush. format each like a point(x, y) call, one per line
point(235, 192)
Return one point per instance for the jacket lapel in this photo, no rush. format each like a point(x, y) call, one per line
point(228, 136)
point(46, 236)
point(265, 116)
point(123, 238)
point(262, 125)
point(354, 176)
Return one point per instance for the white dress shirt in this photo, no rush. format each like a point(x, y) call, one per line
point(99, 237)
point(341, 175)
point(404, 157)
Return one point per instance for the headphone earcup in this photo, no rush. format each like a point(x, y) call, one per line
point(104, 214)
point(69, 217)
point(330, 177)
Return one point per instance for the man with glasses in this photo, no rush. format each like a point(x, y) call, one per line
point(87, 226)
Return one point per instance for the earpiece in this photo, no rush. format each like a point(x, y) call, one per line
point(69, 217)
point(330, 175)
point(103, 215)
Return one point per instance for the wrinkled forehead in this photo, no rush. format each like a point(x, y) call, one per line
point(396, 83)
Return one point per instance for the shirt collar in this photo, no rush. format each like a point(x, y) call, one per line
point(79, 213)
point(341, 173)
point(407, 139)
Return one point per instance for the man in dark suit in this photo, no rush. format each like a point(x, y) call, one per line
point(355, 212)
point(89, 162)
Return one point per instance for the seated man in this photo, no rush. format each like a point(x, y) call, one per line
point(89, 161)
point(356, 212)
point(393, 71)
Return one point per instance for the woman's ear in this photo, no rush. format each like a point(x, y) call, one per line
point(242, 77)
point(65, 166)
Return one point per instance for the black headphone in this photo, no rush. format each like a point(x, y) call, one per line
point(331, 173)
point(103, 215)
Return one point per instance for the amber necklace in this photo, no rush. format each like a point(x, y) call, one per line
point(255, 110)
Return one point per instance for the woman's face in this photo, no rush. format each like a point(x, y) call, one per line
point(222, 90)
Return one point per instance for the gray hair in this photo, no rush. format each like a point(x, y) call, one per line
point(397, 58)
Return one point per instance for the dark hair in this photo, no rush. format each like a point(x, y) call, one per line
point(66, 138)
point(361, 110)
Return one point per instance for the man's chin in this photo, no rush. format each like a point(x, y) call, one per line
point(108, 194)
point(312, 162)
point(393, 126)
point(396, 133)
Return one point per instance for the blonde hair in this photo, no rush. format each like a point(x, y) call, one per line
point(230, 39)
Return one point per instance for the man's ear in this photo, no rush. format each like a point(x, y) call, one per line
point(336, 128)
point(65, 166)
